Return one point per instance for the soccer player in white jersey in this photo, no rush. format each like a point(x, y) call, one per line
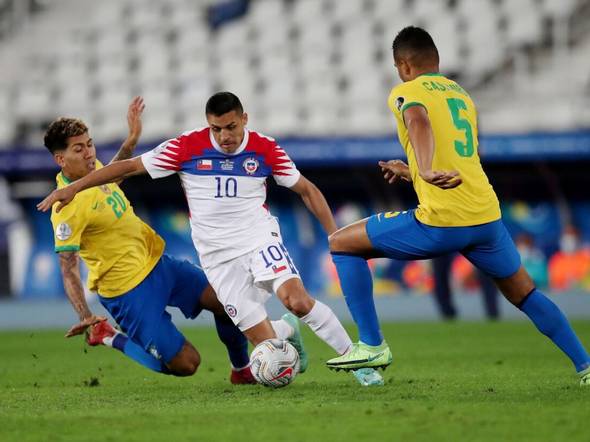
point(223, 170)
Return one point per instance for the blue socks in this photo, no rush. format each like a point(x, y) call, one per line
point(138, 354)
point(235, 342)
point(550, 321)
point(356, 282)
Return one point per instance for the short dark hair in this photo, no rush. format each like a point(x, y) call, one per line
point(416, 44)
point(222, 103)
point(58, 132)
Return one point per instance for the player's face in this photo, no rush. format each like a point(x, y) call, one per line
point(78, 159)
point(228, 129)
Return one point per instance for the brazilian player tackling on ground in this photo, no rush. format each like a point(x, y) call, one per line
point(127, 266)
point(458, 210)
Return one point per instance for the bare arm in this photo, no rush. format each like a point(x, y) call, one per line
point(422, 140)
point(134, 112)
point(70, 272)
point(114, 172)
point(316, 203)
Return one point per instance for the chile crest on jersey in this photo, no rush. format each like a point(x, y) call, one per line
point(251, 165)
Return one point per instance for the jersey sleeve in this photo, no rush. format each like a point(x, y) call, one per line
point(403, 97)
point(68, 226)
point(165, 159)
point(284, 171)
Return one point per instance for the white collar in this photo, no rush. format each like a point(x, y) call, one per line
point(238, 150)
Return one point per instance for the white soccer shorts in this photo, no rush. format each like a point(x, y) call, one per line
point(245, 283)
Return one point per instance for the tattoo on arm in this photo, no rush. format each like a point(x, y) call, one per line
point(70, 271)
point(125, 151)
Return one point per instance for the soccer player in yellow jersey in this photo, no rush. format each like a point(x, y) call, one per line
point(128, 269)
point(458, 210)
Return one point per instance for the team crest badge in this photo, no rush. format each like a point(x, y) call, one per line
point(231, 310)
point(251, 165)
point(63, 231)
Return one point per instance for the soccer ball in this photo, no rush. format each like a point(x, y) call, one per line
point(274, 363)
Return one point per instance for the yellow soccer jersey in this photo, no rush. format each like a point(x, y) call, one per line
point(453, 119)
point(119, 249)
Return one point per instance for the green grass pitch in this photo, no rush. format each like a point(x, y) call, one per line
point(456, 382)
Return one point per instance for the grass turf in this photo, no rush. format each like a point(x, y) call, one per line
point(457, 381)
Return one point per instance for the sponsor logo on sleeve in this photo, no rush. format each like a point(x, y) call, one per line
point(63, 231)
point(399, 102)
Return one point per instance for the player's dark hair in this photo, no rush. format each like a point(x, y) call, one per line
point(416, 44)
point(222, 103)
point(58, 132)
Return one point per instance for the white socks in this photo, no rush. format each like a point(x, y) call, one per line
point(322, 320)
point(108, 340)
point(282, 329)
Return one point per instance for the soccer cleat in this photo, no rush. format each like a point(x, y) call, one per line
point(242, 376)
point(585, 378)
point(368, 377)
point(96, 333)
point(362, 356)
point(297, 340)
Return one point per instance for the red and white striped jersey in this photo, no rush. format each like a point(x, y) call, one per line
point(226, 193)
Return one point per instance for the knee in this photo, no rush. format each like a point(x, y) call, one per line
point(335, 241)
point(185, 365)
point(516, 298)
point(517, 287)
point(300, 304)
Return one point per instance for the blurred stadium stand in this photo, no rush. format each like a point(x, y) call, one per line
point(306, 67)
point(316, 75)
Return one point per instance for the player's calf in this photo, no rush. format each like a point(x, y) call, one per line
point(260, 332)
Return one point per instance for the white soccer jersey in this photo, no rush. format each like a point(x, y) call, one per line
point(226, 193)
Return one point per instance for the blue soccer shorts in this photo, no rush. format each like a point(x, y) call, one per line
point(141, 312)
point(400, 235)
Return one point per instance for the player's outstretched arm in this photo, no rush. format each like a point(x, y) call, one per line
point(134, 113)
point(422, 139)
point(114, 172)
point(314, 200)
point(70, 272)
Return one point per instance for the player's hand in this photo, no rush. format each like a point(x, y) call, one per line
point(442, 179)
point(64, 196)
point(394, 170)
point(81, 327)
point(134, 113)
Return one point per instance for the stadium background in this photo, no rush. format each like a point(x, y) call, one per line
point(315, 74)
